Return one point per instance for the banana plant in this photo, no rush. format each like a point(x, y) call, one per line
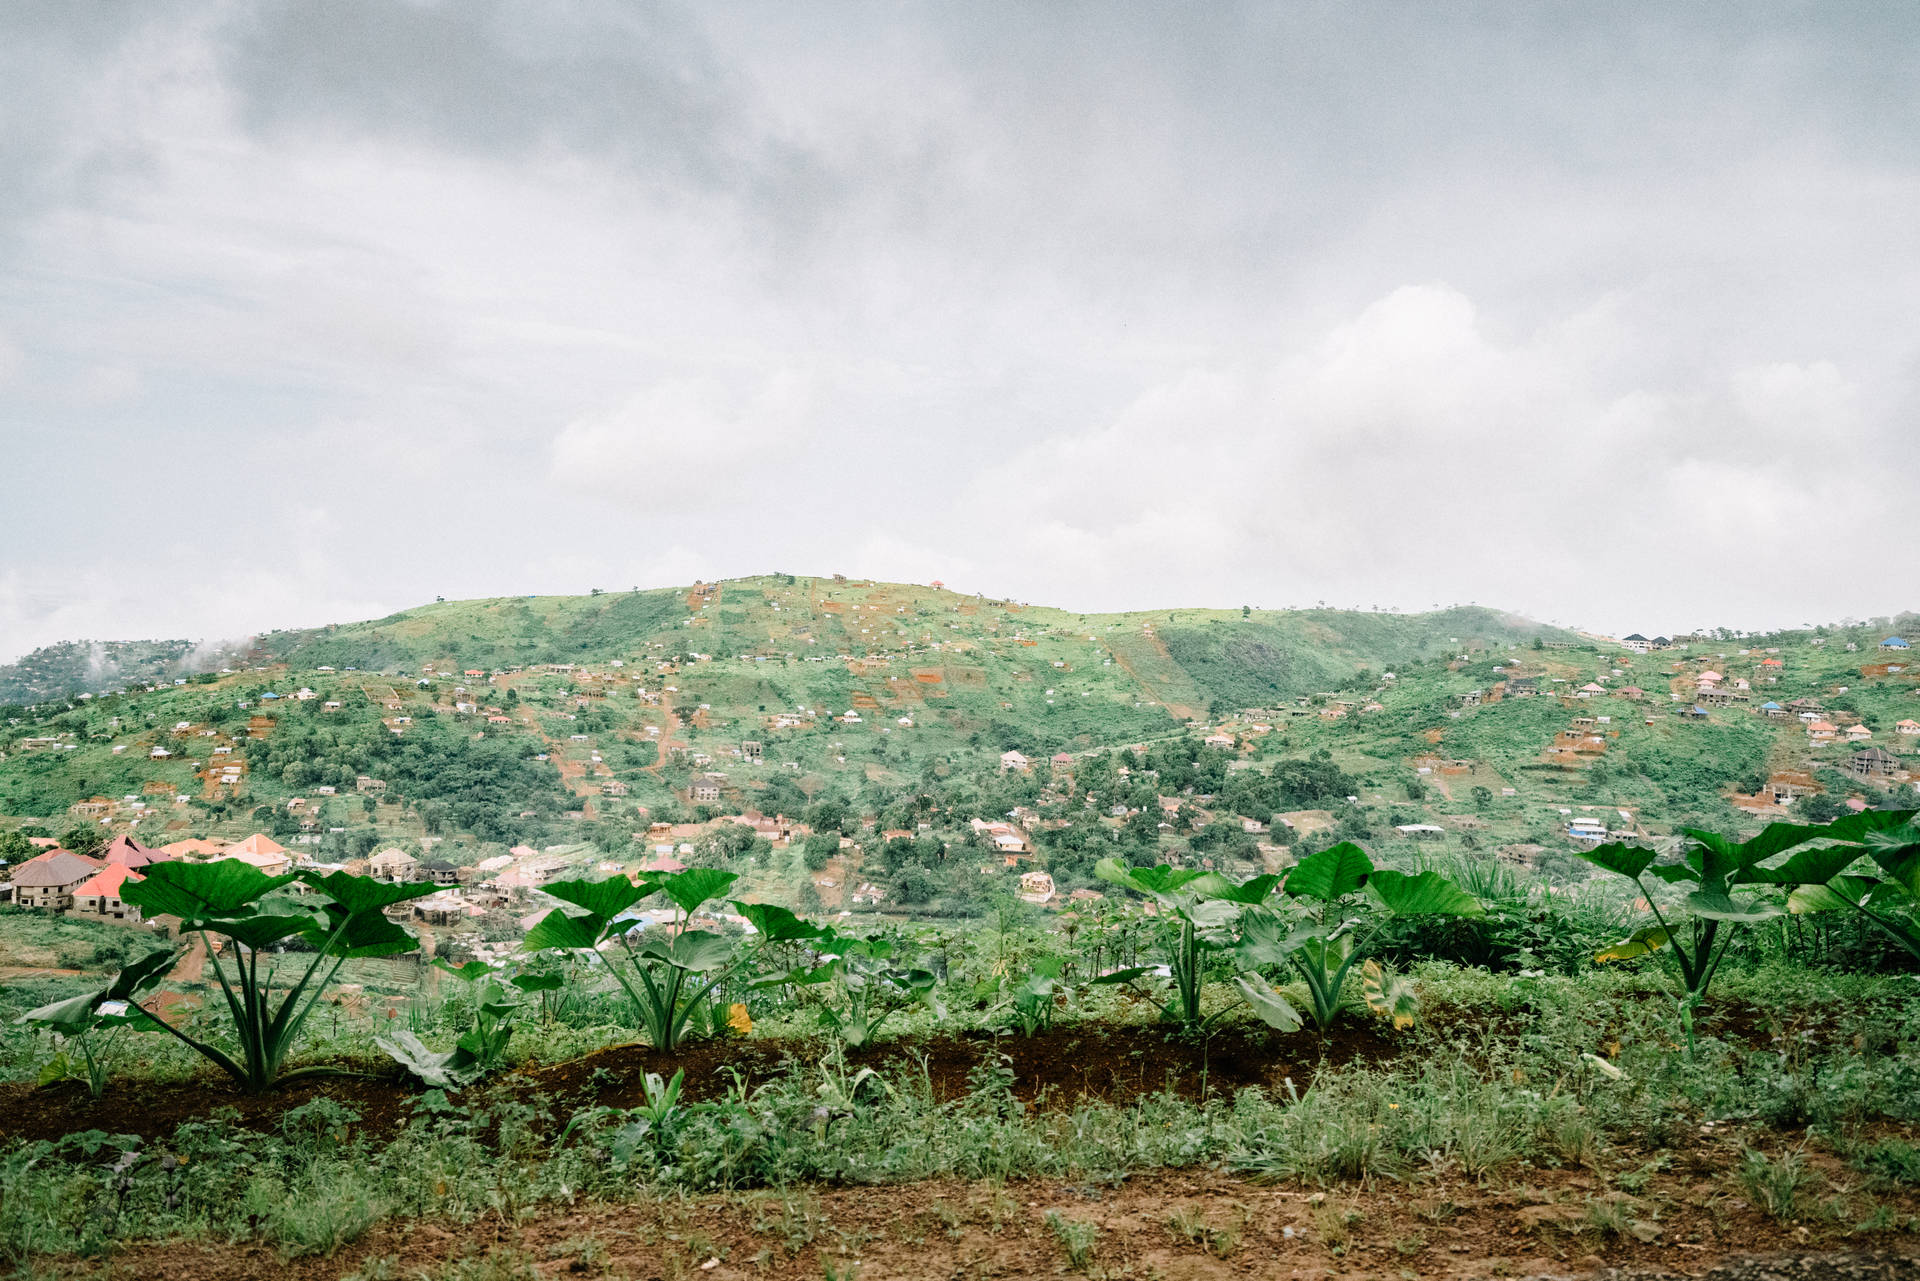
point(93, 1021)
point(1712, 865)
point(1200, 910)
point(224, 899)
point(1338, 901)
point(1820, 880)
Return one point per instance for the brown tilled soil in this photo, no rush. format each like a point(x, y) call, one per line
point(1117, 1062)
point(1182, 1227)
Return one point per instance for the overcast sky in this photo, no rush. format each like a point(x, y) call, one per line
point(313, 311)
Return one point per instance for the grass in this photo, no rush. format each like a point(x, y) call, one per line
point(1451, 1111)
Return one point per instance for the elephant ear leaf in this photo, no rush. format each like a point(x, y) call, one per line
point(606, 898)
point(1271, 1008)
point(70, 1017)
point(1638, 944)
point(360, 934)
point(1253, 890)
point(196, 891)
point(446, 1071)
point(776, 924)
point(363, 893)
point(1876, 827)
point(572, 933)
point(699, 951)
point(691, 888)
point(141, 977)
point(1624, 860)
point(1718, 905)
point(469, 972)
point(1837, 894)
point(1807, 867)
point(1428, 894)
point(1332, 874)
point(1389, 997)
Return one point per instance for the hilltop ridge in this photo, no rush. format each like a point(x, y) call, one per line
point(1189, 659)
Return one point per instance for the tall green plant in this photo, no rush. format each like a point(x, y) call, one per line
point(92, 1022)
point(1337, 903)
point(1199, 910)
point(1834, 877)
point(1695, 932)
point(498, 999)
point(671, 971)
point(224, 900)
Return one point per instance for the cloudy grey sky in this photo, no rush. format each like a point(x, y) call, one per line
point(313, 311)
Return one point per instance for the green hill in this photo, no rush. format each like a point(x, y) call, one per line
point(88, 667)
point(589, 718)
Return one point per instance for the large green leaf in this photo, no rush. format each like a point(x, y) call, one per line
point(197, 891)
point(778, 925)
point(1625, 860)
point(469, 972)
point(1267, 939)
point(1253, 890)
point(447, 1070)
point(70, 1017)
point(1721, 860)
point(691, 888)
point(141, 977)
point(258, 932)
point(1161, 882)
point(1718, 905)
point(1897, 851)
point(1126, 975)
point(1834, 895)
point(557, 929)
point(1428, 894)
point(699, 951)
point(606, 898)
point(1331, 874)
point(363, 893)
point(1272, 1008)
point(364, 934)
point(539, 982)
point(1814, 866)
point(1869, 824)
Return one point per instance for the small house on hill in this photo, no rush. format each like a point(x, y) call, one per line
point(1014, 760)
point(1894, 642)
point(47, 881)
point(1874, 763)
point(393, 865)
point(99, 895)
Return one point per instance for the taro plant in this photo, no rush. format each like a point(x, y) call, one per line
point(877, 987)
point(1695, 932)
point(1031, 1002)
point(227, 901)
point(1335, 904)
point(498, 1000)
point(871, 983)
point(672, 971)
point(1821, 880)
point(1198, 911)
point(92, 1022)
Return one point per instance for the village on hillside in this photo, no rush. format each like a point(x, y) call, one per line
point(854, 747)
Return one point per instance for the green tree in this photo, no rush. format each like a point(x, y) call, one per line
point(84, 838)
